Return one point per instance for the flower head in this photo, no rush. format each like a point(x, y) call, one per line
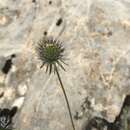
point(51, 53)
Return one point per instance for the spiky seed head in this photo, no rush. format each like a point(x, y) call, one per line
point(51, 52)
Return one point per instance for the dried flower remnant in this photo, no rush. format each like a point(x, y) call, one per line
point(51, 53)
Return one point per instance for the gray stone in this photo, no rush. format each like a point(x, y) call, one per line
point(2, 62)
point(22, 89)
point(18, 102)
point(95, 34)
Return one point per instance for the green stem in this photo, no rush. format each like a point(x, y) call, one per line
point(62, 87)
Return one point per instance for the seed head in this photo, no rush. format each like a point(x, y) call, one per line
point(51, 52)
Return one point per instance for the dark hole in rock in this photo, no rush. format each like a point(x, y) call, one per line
point(86, 105)
point(13, 111)
point(100, 124)
point(50, 2)
point(127, 101)
point(45, 33)
point(13, 56)
point(8, 64)
point(6, 116)
point(33, 1)
point(59, 22)
point(2, 94)
point(109, 33)
point(118, 124)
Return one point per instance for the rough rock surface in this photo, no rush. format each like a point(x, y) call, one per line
point(96, 35)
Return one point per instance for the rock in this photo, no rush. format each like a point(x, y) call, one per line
point(2, 61)
point(22, 89)
point(122, 120)
point(95, 34)
point(1, 90)
point(14, 69)
point(2, 78)
point(18, 102)
point(21, 16)
point(9, 94)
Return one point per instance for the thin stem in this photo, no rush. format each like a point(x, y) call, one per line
point(62, 87)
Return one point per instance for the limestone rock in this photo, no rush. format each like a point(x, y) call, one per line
point(9, 93)
point(22, 89)
point(18, 102)
point(95, 34)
